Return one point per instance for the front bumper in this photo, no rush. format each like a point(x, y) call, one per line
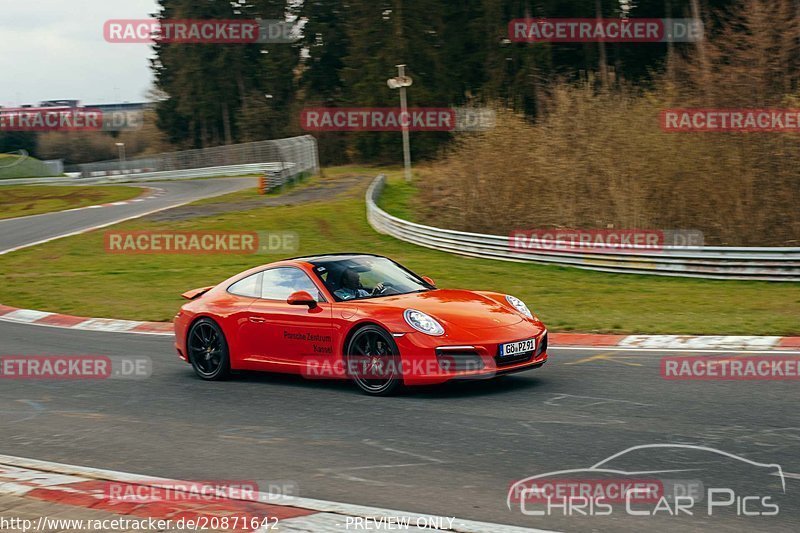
point(430, 360)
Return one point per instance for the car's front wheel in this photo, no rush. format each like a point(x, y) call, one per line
point(208, 350)
point(373, 361)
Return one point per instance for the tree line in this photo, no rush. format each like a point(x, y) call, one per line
point(458, 53)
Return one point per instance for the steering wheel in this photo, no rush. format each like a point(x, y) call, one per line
point(383, 288)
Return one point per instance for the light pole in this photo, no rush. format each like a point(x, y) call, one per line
point(121, 147)
point(401, 82)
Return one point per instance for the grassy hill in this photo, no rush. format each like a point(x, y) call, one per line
point(16, 166)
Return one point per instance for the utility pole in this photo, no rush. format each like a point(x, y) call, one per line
point(401, 82)
point(121, 147)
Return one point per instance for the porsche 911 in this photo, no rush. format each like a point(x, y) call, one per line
point(355, 316)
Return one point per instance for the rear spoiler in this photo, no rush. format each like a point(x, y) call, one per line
point(196, 293)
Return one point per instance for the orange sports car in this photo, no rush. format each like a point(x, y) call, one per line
point(355, 316)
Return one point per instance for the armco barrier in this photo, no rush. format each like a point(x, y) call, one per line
point(280, 160)
point(301, 151)
point(282, 170)
point(711, 262)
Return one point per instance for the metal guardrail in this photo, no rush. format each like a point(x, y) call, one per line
point(272, 169)
point(278, 173)
point(301, 151)
point(710, 262)
point(281, 160)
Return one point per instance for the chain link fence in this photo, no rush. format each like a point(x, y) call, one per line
point(286, 158)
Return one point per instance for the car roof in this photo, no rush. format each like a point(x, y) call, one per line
point(324, 258)
point(312, 260)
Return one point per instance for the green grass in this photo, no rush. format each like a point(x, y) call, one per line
point(24, 200)
point(74, 275)
point(397, 199)
point(28, 168)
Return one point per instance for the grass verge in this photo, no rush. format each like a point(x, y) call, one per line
point(24, 200)
point(74, 275)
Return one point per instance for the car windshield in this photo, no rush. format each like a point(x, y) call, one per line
point(361, 277)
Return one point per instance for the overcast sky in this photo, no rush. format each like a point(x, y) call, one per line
point(54, 49)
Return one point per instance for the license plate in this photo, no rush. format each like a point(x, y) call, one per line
point(515, 348)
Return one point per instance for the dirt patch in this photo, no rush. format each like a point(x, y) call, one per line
point(324, 228)
point(323, 189)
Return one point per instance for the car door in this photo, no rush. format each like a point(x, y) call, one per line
point(286, 337)
point(233, 312)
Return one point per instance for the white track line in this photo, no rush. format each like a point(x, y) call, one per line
point(342, 510)
point(775, 351)
point(91, 329)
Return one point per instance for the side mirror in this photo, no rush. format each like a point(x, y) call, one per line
point(429, 281)
point(301, 298)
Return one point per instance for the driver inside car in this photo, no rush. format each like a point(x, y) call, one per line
point(351, 287)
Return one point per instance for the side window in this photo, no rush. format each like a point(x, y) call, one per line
point(280, 283)
point(249, 286)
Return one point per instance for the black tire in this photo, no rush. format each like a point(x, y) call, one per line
point(372, 345)
point(207, 350)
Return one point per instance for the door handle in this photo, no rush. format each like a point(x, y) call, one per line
point(257, 320)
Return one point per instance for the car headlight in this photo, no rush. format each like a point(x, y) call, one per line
point(519, 305)
point(422, 322)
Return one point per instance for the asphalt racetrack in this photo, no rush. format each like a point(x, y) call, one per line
point(453, 449)
point(26, 231)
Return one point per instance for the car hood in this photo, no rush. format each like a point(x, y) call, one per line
point(464, 309)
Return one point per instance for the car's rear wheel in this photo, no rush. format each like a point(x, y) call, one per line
point(208, 350)
point(373, 361)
